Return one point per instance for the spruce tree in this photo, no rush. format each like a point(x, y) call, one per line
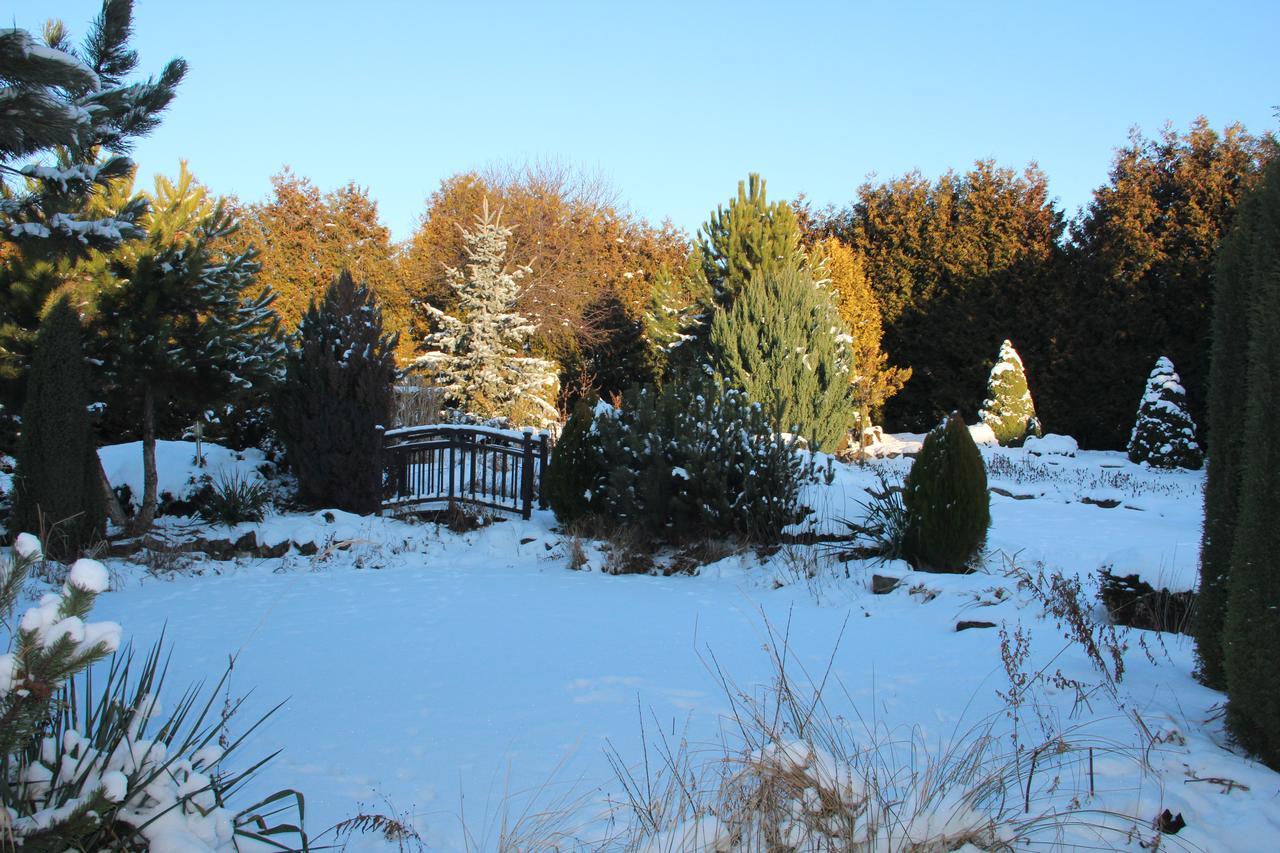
point(1008, 408)
point(1251, 635)
point(481, 357)
point(57, 486)
point(337, 397)
point(1164, 436)
point(1250, 248)
point(945, 495)
point(781, 342)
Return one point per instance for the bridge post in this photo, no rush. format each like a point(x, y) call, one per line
point(544, 454)
point(526, 476)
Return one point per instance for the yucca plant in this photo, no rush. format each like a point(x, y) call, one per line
point(235, 498)
point(90, 766)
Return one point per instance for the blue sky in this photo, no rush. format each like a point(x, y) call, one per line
point(675, 102)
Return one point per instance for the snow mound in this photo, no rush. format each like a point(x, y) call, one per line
point(179, 472)
point(1051, 444)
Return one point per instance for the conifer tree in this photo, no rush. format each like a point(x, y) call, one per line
point(77, 104)
point(749, 236)
point(1164, 436)
point(336, 400)
point(781, 342)
point(1008, 408)
point(176, 320)
point(481, 355)
point(1251, 635)
point(873, 381)
point(57, 486)
point(1250, 249)
point(947, 504)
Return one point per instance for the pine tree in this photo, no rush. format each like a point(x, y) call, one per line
point(337, 397)
point(1251, 634)
point(1164, 436)
point(1008, 408)
point(749, 236)
point(782, 343)
point(77, 104)
point(481, 356)
point(175, 319)
point(1251, 248)
point(947, 504)
point(58, 489)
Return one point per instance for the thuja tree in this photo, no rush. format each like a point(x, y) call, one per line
point(945, 494)
point(1251, 249)
point(782, 343)
point(1008, 408)
point(337, 399)
point(57, 487)
point(480, 354)
point(1251, 634)
point(1164, 436)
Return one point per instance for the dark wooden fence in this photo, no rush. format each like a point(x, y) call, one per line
point(443, 463)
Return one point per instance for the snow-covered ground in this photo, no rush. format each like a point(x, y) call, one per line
point(461, 680)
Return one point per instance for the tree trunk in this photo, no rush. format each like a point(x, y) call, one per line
point(115, 511)
point(150, 479)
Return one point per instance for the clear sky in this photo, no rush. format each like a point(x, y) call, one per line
point(675, 102)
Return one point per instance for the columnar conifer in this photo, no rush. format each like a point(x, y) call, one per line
point(1008, 408)
point(1164, 436)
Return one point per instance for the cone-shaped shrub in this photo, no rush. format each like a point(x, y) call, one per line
point(948, 508)
point(1164, 436)
point(1008, 409)
point(337, 398)
point(58, 487)
point(575, 467)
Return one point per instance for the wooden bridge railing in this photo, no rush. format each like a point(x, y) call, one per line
point(500, 469)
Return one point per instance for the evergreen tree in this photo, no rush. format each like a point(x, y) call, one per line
point(1008, 409)
point(781, 342)
point(749, 236)
point(77, 104)
point(1139, 277)
point(1251, 634)
point(1249, 251)
point(481, 356)
point(947, 504)
point(873, 381)
point(175, 319)
point(337, 398)
point(58, 490)
point(1164, 436)
point(954, 263)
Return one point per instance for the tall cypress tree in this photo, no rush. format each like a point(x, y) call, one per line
point(337, 397)
point(780, 342)
point(57, 485)
point(1238, 263)
point(1251, 634)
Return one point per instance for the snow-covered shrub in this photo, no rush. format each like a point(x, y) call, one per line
point(1164, 436)
point(108, 769)
point(1008, 408)
point(695, 459)
point(574, 467)
point(948, 507)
